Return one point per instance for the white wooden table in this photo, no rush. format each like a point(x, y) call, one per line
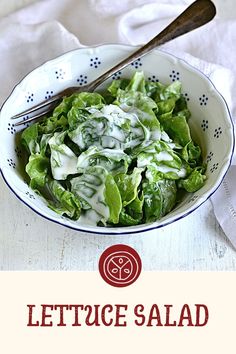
point(29, 242)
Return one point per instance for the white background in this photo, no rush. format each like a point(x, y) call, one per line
point(28, 242)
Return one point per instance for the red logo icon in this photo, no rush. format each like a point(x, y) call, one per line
point(120, 265)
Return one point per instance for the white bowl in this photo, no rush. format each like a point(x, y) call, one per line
point(211, 123)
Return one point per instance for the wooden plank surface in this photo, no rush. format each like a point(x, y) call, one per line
point(29, 242)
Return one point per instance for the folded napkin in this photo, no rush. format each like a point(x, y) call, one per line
point(49, 28)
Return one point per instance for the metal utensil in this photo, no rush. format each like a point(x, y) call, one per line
point(196, 15)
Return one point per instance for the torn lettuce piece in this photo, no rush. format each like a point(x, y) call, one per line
point(194, 181)
point(171, 91)
point(177, 127)
point(98, 188)
point(37, 169)
point(153, 89)
point(159, 198)
point(63, 160)
point(33, 141)
point(62, 117)
point(191, 153)
point(166, 107)
point(132, 214)
point(78, 101)
point(110, 127)
point(111, 92)
point(128, 185)
point(134, 99)
point(135, 208)
point(163, 159)
point(82, 102)
point(112, 199)
point(53, 124)
point(29, 139)
point(137, 83)
point(127, 220)
point(64, 202)
point(77, 116)
point(88, 100)
point(114, 161)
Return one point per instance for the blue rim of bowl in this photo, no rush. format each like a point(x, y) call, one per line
point(114, 233)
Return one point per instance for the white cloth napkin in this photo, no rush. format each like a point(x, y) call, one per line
point(49, 28)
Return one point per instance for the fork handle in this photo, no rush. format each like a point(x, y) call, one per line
point(196, 15)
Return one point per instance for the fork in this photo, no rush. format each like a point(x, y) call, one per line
point(196, 15)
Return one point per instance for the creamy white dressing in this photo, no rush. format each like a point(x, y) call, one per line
point(124, 107)
point(109, 142)
point(149, 159)
point(83, 159)
point(112, 135)
point(163, 156)
point(67, 165)
point(100, 127)
point(171, 145)
point(115, 153)
point(97, 201)
point(137, 131)
point(143, 162)
point(63, 160)
point(132, 143)
point(165, 169)
point(89, 217)
point(93, 153)
point(77, 138)
point(156, 135)
point(165, 137)
point(117, 133)
point(174, 146)
point(34, 147)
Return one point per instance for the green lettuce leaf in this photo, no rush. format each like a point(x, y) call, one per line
point(161, 160)
point(177, 128)
point(37, 168)
point(63, 160)
point(135, 99)
point(98, 188)
point(29, 139)
point(114, 161)
point(111, 127)
point(159, 198)
point(191, 153)
point(193, 182)
point(171, 91)
point(64, 202)
point(127, 220)
point(128, 185)
point(112, 199)
point(132, 214)
point(135, 208)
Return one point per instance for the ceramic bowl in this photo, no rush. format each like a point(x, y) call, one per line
point(210, 123)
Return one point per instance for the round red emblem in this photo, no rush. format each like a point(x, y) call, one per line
point(120, 265)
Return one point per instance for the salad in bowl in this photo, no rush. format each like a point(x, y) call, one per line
point(146, 149)
point(121, 157)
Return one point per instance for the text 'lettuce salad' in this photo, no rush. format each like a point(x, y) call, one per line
point(119, 158)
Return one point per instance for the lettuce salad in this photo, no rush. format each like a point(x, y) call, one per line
point(119, 158)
